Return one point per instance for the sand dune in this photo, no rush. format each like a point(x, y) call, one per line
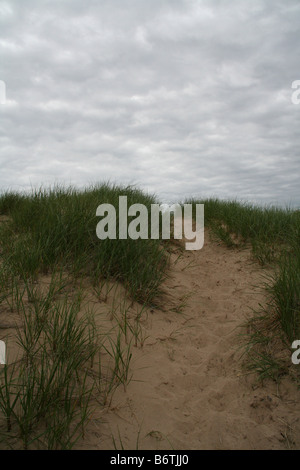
point(189, 390)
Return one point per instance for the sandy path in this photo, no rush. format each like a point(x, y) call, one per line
point(188, 389)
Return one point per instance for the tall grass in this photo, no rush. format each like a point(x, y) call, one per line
point(58, 226)
point(45, 390)
point(269, 230)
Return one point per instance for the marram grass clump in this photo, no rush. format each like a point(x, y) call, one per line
point(58, 227)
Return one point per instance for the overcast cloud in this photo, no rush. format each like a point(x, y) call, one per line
point(183, 98)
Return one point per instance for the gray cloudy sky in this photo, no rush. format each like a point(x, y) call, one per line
point(181, 97)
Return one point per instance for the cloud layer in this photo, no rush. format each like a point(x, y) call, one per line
point(182, 98)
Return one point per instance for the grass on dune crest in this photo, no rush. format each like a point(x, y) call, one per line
point(274, 236)
point(58, 226)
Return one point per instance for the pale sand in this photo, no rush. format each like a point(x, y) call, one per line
point(189, 390)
